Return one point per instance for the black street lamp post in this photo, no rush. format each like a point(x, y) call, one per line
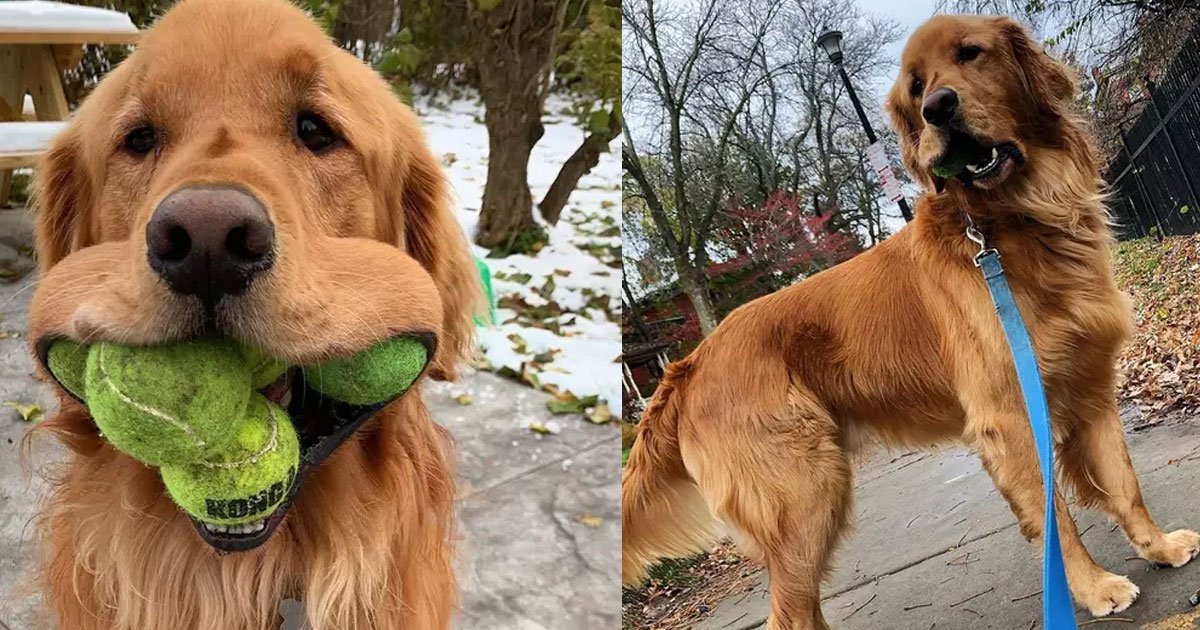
point(831, 43)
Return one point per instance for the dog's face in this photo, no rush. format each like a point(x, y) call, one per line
point(241, 176)
point(974, 97)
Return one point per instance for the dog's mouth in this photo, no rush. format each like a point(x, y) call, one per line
point(975, 162)
point(322, 424)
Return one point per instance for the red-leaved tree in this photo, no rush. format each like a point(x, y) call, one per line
point(777, 242)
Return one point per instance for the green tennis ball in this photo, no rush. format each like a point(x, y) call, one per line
point(168, 404)
point(264, 369)
point(950, 165)
point(372, 376)
point(67, 362)
point(248, 479)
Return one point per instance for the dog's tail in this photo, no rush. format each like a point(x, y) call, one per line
point(662, 511)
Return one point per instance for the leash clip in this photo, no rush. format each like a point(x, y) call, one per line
point(975, 236)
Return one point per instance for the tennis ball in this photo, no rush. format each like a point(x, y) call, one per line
point(67, 362)
point(372, 376)
point(264, 369)
point(247, 479)
point(950, 165)
point(169, 404)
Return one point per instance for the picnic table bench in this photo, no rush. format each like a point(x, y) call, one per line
point(39, 40)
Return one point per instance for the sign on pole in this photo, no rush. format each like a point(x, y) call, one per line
point(878, 160)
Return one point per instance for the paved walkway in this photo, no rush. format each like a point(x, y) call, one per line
point(935, 546)
point(540, 514)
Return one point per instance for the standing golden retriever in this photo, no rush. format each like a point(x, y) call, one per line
point(240, 175)
point(902, 345)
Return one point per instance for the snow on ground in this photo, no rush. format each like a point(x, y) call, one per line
point(558, 324)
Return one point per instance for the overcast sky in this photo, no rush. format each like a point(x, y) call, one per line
point(910, 14)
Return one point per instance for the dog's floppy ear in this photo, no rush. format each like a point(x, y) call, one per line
point(427, 230)
point(61, 197)
point(1049, 82)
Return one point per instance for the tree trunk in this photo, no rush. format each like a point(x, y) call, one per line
point(513, 129)
point(585, 158)
point(515, 43)
point(693, 284)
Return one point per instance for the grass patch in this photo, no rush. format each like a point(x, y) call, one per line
point(529, 242)
point(20, 187)
point(676, 571)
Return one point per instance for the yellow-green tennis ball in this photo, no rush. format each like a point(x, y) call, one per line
point(67, 362)
point(264, 369)
point(372, 376)
point(950, 165)
point(248, 479)
point(169, 404)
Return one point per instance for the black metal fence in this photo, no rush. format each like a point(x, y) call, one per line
point(1155, 181)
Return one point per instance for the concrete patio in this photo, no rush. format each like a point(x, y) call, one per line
point(935, 546)
point(540, 513)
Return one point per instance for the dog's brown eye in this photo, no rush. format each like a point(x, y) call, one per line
point(314, 132)
point(968, 53)
point(916, 87)
point(142, 140)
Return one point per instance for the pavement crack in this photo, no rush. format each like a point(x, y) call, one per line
point(875, 579)
point(530, 471)
point(900, 569)
point(566, 531)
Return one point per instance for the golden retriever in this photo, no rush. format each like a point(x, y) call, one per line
point(240, 175)
point(758, 425)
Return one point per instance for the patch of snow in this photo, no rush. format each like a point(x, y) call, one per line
point(37, 16)
point(587, 346)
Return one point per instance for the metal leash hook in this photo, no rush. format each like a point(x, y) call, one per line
point(975, 236)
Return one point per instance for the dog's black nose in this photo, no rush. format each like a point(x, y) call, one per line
point(939, 107)
point(210, 241)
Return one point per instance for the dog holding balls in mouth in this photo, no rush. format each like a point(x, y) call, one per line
point(248, 263)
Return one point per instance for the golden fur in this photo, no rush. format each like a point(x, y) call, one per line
point(757, 427)
point(367, 247)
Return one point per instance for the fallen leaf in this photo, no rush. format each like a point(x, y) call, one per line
point(599, 414)
point(31, 412)
point(591, 521)
point(547, 428)
point(566, 402)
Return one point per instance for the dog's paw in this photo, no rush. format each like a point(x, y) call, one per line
point(1174, 549)
point(1107, 594)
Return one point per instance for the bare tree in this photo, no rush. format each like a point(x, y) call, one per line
point(678, 63)
point(731, 103)
point(827, 140)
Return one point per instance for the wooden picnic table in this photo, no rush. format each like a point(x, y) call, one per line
point(38, 41)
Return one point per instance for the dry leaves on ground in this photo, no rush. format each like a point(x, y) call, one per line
point(682, 592)
point(1160, 365)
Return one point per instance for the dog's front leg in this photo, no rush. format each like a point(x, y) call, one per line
point(1004, 439)
point(1096, 462)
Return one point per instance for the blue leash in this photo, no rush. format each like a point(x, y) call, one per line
point(1058, 613)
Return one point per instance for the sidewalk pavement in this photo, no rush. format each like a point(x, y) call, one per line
point(540, 514)
point(935, 546)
